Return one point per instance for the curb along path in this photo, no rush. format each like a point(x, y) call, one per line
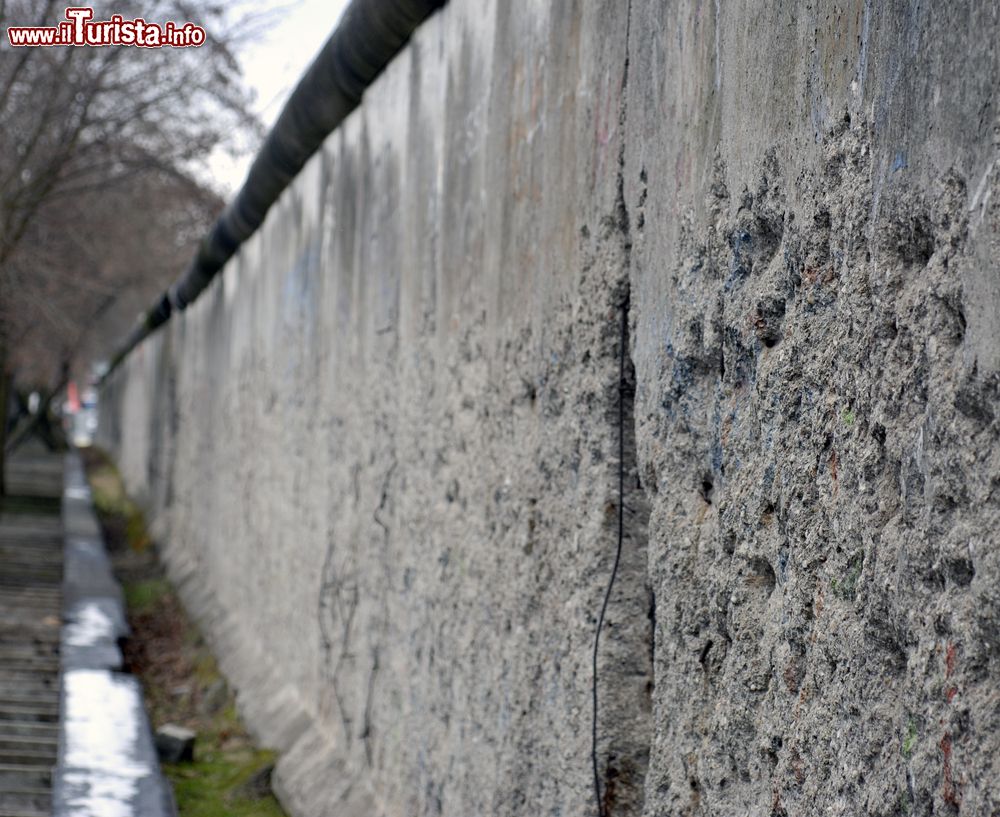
point(107, 761)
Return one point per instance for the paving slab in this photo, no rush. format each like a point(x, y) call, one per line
point(30, 604)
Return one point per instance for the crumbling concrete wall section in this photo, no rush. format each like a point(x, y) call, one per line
point(387, 451)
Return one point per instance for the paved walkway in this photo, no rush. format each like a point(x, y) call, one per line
point(31, 559)
point(74, 738)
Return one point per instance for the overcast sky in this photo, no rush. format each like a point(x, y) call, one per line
point(273, 64)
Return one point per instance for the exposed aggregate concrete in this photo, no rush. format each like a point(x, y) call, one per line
point(382, 452)
point(828, 474)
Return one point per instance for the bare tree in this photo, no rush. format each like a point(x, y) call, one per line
point(98, 151)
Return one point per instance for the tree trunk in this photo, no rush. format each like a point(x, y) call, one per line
point(38, 424)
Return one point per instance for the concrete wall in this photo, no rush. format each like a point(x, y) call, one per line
point(382, 452)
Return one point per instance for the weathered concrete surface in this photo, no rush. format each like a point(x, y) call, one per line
point(816, 347)
point(382, 452)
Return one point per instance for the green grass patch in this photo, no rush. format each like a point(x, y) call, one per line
point(143, 596)
point(211, 786)
point(113, 503)
point(180, 677)
point(107, 490)
point(205, 668)
point(225, 776)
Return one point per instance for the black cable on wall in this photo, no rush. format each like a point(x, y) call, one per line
point(622, 385)
point(369, 35)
